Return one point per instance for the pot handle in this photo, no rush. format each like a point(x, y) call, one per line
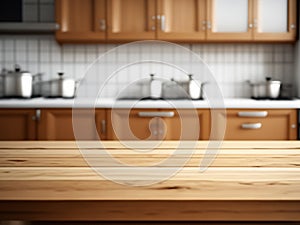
point(17, 68)
point(60, 74)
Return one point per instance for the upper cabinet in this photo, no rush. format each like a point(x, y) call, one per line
point(275, 20)
point(81, 20)
point(229, 20)
point(251, 20)
point(176, 20)
point(131, 20)
point(181, 20)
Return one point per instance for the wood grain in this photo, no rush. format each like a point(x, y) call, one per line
point(247, 181)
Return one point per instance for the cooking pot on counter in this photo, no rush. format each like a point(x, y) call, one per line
point(17, 83)
point(61, 87)
point(270, 89)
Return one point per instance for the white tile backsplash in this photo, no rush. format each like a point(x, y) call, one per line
point(232, 64)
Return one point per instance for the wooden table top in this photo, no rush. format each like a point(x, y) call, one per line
point(267, 171)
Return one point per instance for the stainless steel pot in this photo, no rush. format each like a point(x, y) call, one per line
point(186, 89)
point(142, 89)
point(58, 88)
point(17, 83)
point(175, 89)
point(268, 89)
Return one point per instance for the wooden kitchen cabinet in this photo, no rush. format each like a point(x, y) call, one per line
point(158, 124)
point(181, 20)
point(176, 20)
point(17, 124)
point(275, 20)
point(131, 20)
point(251, 20)
point(229, 20)
point(260, 124)
point(57, 124)
point(81, 20)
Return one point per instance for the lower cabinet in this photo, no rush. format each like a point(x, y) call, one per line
point(18, 124)
point(58, 124)
point(148, 124)
point(158, 124)
point(51, 124)
point(260, 124)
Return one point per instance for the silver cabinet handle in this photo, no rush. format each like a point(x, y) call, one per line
point(163, 23)
point(156, 114)
point(253, 114)
point(251, 125)
point(102, 25)
point(208, 25)
point(37, 116)
point(103, 126)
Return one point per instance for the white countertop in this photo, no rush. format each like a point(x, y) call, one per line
point(111, 103)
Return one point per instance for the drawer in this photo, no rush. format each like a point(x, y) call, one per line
point(260, 124)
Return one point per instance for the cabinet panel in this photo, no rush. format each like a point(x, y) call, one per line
point(56, 124)
point(277, 125)
point(229, 20)
point(131, 19)
point(80, 20)
point(181, 20)
point(126, 124)
point(158, 124)
point(275, 20)
point(17, 124)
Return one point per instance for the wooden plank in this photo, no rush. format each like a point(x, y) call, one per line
point(152, 210)
point(192, 190)
point(97, 160)
point(132, 153)
point(246, 181)
point(145, 144)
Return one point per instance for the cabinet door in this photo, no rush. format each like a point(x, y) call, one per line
point(158, 124)
point(17, 124)
point(131, 20)
point(262, 124)
point(181, 20)
point(56, 124)
point(126, 124)
point(229, 20)
point(275, 20)
point(186, 124)
point(81, 20)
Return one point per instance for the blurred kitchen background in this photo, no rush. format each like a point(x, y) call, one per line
point(231, 63)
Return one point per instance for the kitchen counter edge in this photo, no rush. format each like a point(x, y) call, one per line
point(183, 104)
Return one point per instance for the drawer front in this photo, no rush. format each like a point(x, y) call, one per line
point(158, 124)
point(261, 125)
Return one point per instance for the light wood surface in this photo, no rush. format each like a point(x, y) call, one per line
point(247, 181)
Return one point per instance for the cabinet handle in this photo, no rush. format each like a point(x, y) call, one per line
point(208, 25)
point(103, 126)
point(37, 115)
point(253, 114)
point(102, 25)
point(250, 25)
point(163, 23)
point(293, 26)
point(156, 114)
point(251, 125)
